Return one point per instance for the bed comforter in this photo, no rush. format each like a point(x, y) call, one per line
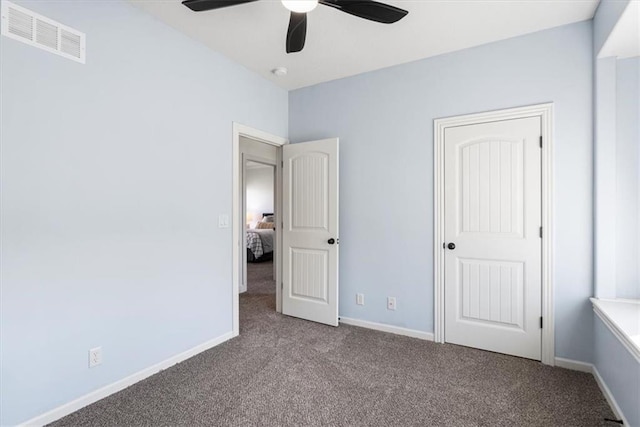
point(260, 241)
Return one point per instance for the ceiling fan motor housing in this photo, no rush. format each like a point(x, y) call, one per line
point(297, 32)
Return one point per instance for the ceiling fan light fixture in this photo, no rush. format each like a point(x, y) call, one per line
point(300, 6)
point(370, 10)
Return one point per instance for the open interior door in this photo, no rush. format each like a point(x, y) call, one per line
point(310, 231)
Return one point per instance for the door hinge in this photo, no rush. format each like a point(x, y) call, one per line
point(282, 286)
point(540, 322)
point(540, 141)
point(541, 232)
point(282, 162)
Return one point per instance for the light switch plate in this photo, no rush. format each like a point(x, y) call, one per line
point(223, 221)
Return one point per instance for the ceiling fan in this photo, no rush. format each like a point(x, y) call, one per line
point(297, 32)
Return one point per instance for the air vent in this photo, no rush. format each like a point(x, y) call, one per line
point(36, 30)
point(46, 34)
point(20, 24)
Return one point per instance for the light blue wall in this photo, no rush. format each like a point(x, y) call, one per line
point(113, 177)
point(628, 178)
point(605, 240)
point(616, 163)
point(619, 370)
point(385, 123)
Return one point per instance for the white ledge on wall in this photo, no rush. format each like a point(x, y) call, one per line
point(622, 317)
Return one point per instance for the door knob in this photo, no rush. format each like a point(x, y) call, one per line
point(331, 241)
point(451, 246)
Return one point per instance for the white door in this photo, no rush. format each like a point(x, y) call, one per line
point(493, 248)
point(310, 231)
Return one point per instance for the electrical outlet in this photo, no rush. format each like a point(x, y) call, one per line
point(95, 357)
point(391, 303)
point(360, 299)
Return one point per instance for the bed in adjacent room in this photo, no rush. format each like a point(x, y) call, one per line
point(260, 240)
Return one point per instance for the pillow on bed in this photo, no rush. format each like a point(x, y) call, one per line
point(265, 225)
point(267, 218)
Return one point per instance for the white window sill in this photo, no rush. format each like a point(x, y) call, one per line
point(622, 317)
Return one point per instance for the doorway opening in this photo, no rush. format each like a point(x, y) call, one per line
point(257, 160)
point(259, 176)
point(305, 214)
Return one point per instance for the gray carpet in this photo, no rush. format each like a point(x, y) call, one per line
point(283, 371)
point(260, 278)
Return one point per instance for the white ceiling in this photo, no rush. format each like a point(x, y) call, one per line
point(624, 40)
point(340, 45)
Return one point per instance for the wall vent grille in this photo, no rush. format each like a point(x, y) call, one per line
point(36, 30)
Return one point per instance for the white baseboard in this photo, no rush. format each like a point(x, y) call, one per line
point(609, 396)
point(428, 336)
point(574, 365)
point(94, 396)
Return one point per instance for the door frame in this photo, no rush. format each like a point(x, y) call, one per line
point(545, 113)
point(239, 223)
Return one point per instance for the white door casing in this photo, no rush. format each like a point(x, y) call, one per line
point(310, 217)
point(493, 217)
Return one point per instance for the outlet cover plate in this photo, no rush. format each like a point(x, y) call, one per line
point(95, 357)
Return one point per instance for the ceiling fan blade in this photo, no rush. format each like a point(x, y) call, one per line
point(297, 32)
point(368, 9)
point(202, 5)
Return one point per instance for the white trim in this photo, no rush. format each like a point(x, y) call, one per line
point(609, 396)
point(574, 365)
point(616, 330)
point(427, 336)
point(101, 393)
point(237, 243)
point(545, 112)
